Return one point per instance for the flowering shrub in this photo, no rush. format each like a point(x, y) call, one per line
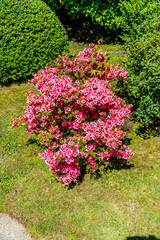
point(75, 115)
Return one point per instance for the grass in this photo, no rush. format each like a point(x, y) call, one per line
point(120, 205)
point(115, 50)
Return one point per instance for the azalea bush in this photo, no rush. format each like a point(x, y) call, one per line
point(75, 115)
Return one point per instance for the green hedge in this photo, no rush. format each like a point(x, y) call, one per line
point(142, 87)
point(31, 36)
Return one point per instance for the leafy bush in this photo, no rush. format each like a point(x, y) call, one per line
point(113, 20)
point(76, 116)
point(142, 87)
point(101, 12)
point(54, 4)
point(30, 36)
point(134, 13)
point(88, 20)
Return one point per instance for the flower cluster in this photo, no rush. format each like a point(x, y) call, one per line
point(89, 63)
point(75, 115)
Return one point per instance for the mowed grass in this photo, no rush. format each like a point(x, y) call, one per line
point(115, 51)
point(122, 203)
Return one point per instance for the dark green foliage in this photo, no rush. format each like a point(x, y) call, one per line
point(142, 87)
point(101, 12)
point(30, 37)
point(88, 20)
point(54, 4)
point(133, 13)
point(83, 29)
point(113, 20)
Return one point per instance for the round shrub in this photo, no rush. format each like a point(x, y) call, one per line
point(76, 116)
point(31, 36)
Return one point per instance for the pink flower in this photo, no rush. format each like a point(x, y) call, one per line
point(67, 109)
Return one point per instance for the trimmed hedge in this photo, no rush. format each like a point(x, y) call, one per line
point(31, 36)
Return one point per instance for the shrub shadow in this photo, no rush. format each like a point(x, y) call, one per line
point(150, 237)
point(148, 132)
point(80, 179)
point(19, 81)
point(31, 141)
point(34, 141)
point(113, 164)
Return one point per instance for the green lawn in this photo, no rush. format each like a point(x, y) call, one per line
point(114, 50)
point(122, 203)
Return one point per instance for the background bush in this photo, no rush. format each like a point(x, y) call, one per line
point(88, 20)
point(30, 37)
point(133, 13)
point(101, 12)
point(142, 87)
point(111, 20)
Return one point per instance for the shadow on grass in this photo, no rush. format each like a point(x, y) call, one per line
point(33, 141)
point(80, 179)
point(148, 132)
point(150, 237)
point(10, 82)
point(113, 164)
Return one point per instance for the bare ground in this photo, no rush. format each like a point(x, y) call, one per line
point(11, 229)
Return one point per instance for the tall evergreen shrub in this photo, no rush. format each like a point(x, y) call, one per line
point(31, 36)
point(142, 87)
